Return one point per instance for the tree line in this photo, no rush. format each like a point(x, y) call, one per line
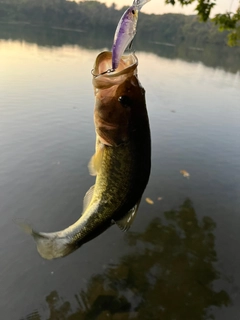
point(230, 20)
point(92, 15)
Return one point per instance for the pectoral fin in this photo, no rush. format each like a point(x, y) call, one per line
point(125, 223)
point(95, 163)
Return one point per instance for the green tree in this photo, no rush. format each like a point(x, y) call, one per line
point(226, 21)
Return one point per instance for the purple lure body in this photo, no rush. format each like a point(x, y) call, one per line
point(124, 34)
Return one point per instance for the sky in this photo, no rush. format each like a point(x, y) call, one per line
point(159, 6)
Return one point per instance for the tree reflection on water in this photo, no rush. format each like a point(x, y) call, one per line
point(211, 55)
point(170, 276)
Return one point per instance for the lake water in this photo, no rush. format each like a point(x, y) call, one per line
point(180, 260)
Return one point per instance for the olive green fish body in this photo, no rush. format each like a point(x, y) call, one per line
point(121, 162)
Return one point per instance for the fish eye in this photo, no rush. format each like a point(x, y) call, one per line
point(125, 101)
point(133, 11)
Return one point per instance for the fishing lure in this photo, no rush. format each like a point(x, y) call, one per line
point(125, 32)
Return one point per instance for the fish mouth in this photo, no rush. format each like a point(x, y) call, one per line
point(103, 75)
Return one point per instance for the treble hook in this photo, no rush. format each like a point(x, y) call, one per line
point(100, 74)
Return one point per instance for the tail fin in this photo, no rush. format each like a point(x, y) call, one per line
point(49, 245)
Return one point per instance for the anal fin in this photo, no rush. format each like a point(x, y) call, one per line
point(126, 221)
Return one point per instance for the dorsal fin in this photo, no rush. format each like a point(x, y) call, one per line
point(125, 223)
point(88, 197)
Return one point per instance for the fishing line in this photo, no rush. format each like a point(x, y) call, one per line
point(230, 8)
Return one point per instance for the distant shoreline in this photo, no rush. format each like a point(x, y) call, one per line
point(93, 16)
point(25, 23)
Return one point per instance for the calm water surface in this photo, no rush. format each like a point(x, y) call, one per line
point(180, 260)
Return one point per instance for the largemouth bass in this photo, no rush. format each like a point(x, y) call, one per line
point(121, 162)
